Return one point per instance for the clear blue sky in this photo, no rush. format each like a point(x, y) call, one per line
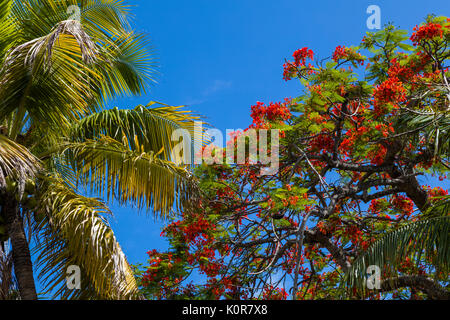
point(220, 57)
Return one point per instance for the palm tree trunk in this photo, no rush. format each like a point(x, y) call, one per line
point(23, 267)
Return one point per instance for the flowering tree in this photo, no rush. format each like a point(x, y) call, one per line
point(372, 123)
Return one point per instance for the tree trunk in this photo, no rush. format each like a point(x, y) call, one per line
point(23, 267)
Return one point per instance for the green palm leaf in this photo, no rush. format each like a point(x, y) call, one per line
point(434, 126)
point(109, 168)
point(66, 69)
point(143, 127)
point(16, 162)
point(74, 231)
point(123, 59)
point(126, 65)
point(48, 78)
point(8, 36)
point(425, 239)
point(101, 18)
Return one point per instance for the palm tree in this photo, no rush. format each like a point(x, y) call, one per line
point(58, 139)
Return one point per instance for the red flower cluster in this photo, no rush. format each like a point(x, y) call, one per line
point(274, 112)
point(300, 55)
point(322, 143)
point(403, 204)
point(344, 53)
point(288, 71)
point(153, 273)
point(339, 53)
point(411, 267)
point(400, 72)
point(390, 91)
point(354, 234)
point(426, 32)
point(377, 155)
point(436, 193)
point(384, 129)
point(351, 137)
point(377, 205)
point(196, 232)
point(271, 293)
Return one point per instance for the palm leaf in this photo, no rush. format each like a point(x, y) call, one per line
point(65, 70)
point(428, 238)
point(149, 128)
point(74, 231)
point(126, 65)
point(123, 60)
point(8, 34)
point(16, 162)
point(49, 78)
point(109, 168)
point(101, 18)
point(435, 126)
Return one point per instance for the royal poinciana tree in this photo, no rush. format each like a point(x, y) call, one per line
point(370, 129)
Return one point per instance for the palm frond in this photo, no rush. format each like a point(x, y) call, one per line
point(74, 231)
point(123, 61)
point(435, 127)
point(8, 33)
point(439, 208)
point(110, 169)
point(143, 127)
point(64, 70)
point(16, 162)
point(101, 18)
point(49, 78)
point(5, 9)
point(425, 239)
point(126, 64)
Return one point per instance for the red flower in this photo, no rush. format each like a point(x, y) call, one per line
point(343, 53)
point(426, 32)
point(403, 204)
point(289, 71)
point(390, 91)
point(400, 72)
point(300, 56)
point(271, 293)
point(322, 142)
point(262, 114)
point(377, 155)
point(436, 193)
point(339, 53)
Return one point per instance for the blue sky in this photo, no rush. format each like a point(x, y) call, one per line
point(220, 57)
